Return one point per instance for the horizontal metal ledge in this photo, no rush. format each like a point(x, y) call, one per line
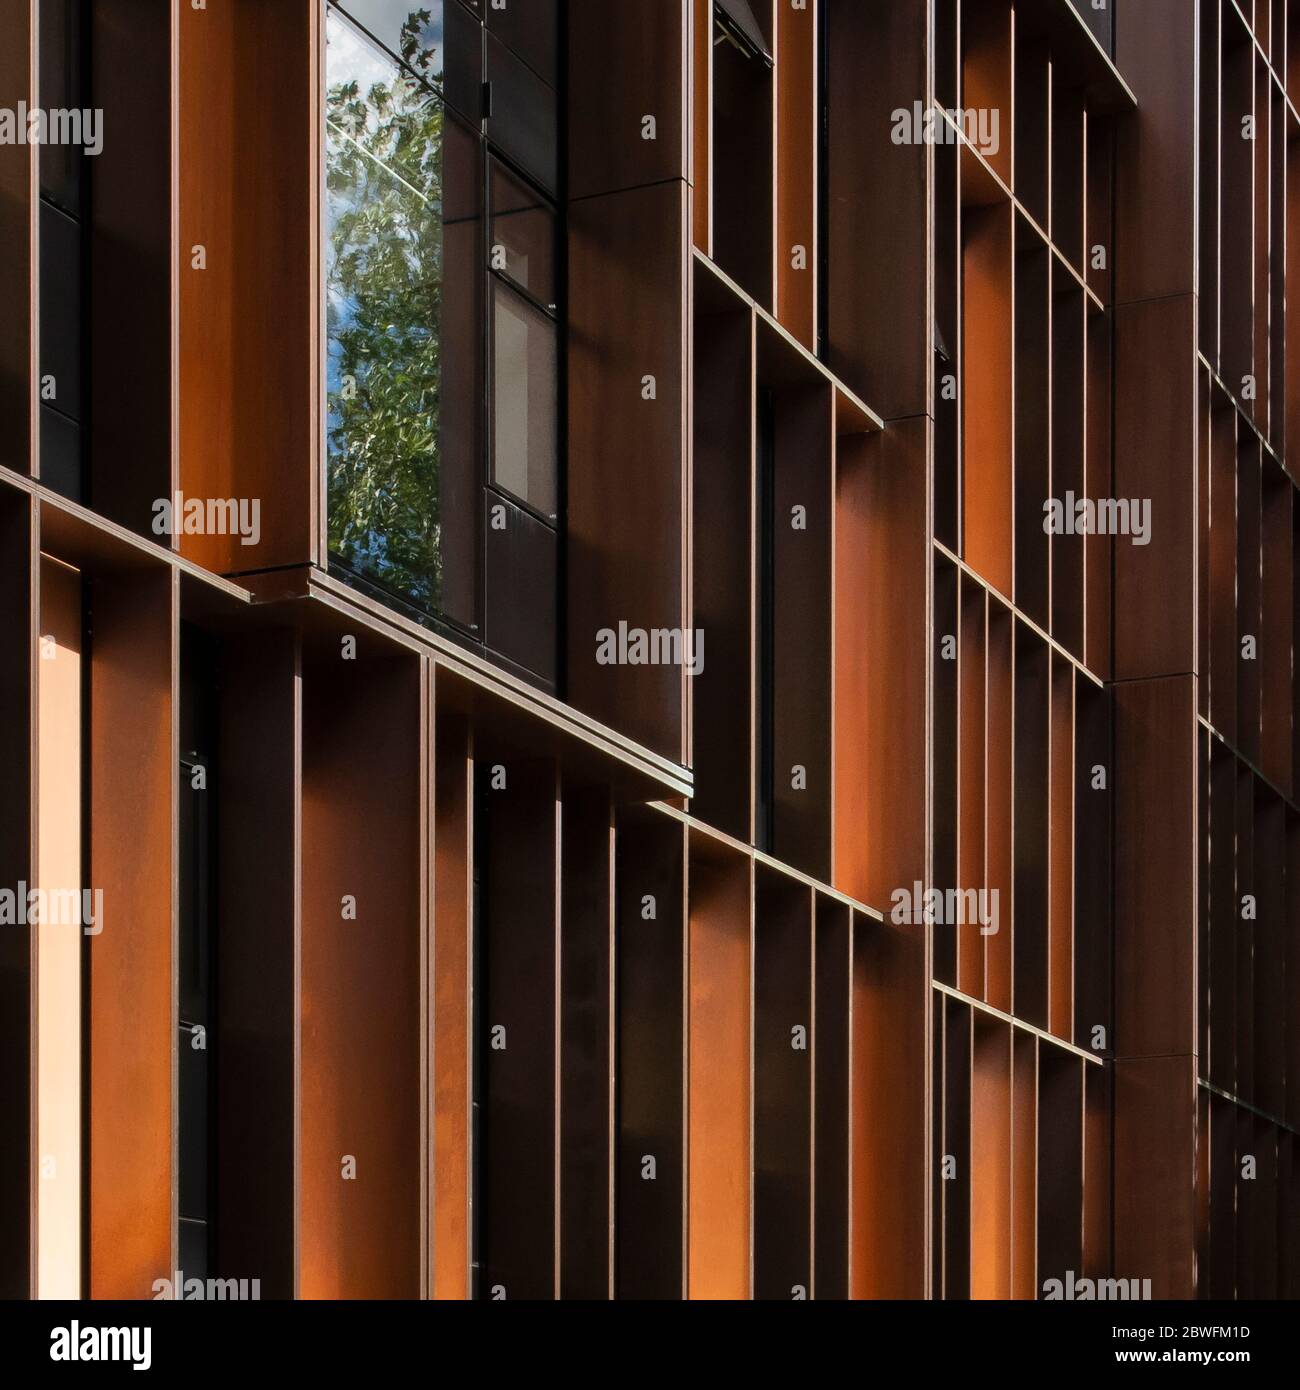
point(769, 861)
point(97, 545)
point(650, 774)
point(733, 297)
point(1042, 1034)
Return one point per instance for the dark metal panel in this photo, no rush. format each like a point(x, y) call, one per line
point(133, 264)
point(517, 1028)
point(722, 716)
point(1155, 884)
point(1031, 759)
point(1155, 47)
point(972, 869)
point(1155, 454)
point(1094, 783)
point(1060, 1164)
point(1155, 1197)
point(877, 216)
point(521, 567)
point(586, 1176)
point(626, 62)
point(257, 796)
point(954, 1157)
point(650, 1225)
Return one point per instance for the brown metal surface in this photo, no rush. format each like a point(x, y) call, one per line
point(990, 1159)
point(1155, 188)
point(783, 1086)
point(702, 124)
point(248, 344)
point(626, 62)
point(626, 537)
point(453, 879)
point(1155, 584)
point(359, 979)
point(987, 357)
point(719, 1103)
point(832, 1016)
point(1155, 870)
point(797, 116)
point(131, 1077)
point(888, 1187)
point(874, 189)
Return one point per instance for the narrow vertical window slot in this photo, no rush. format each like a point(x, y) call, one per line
point(59, 935)
point(195, 1011)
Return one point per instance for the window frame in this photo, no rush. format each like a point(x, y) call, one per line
point(490, 156)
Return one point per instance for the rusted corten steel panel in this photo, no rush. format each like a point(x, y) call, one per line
point(359, 1131)
point(131, 1077)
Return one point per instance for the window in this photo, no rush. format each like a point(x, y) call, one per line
point(442, 312)
point(196, 1019)
point(60, 961)
point(765, 797)
point(63, 86)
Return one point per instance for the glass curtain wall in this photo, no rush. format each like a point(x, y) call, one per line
point(442, 303)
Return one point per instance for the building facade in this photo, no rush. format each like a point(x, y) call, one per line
point(650, 648)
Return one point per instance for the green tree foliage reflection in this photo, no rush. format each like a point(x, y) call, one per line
point(383, 272)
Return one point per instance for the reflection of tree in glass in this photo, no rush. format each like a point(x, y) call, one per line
point(384, 205)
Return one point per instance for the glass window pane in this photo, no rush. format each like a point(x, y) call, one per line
point(383, 271)
point(522, 123)
point(61, 454)
point(522, 574)
point(462, 82)
point(529, 28)
point(410, 31)
point(60, 311)
point(461, 413)
point(61, 89)
point(523, 407)
point(523, 236)
point(192, 1097)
